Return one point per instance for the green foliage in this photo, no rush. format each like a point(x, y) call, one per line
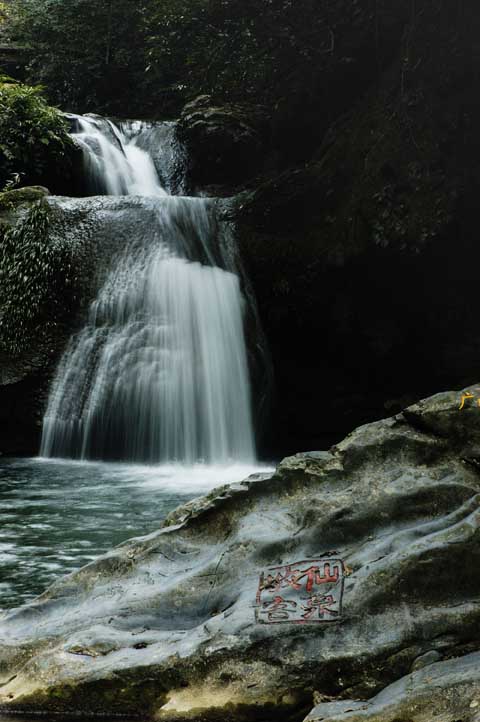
point(87, 53)
point(149, 56)
point(36, 273)
point(33, 136)
point(12, 183)
point(3, 15)
point(254, 49)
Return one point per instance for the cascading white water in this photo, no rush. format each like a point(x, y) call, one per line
point(159, 373)
point(162, 146)
point(115, 164)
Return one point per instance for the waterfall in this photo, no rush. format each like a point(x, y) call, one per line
point(114, 163)
point(159, 139)
point(159, 372)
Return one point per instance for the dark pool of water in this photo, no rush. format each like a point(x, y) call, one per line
point(56, 516)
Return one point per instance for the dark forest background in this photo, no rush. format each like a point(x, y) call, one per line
point(148, 57)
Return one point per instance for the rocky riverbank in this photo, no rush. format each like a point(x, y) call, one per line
point(176, 626)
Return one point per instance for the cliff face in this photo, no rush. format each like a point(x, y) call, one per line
point(364, 259)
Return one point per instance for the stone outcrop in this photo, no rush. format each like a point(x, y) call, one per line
point(13, 203)
point(170, 624)
point(13, 58)
point(226, 143)
point(447, 691)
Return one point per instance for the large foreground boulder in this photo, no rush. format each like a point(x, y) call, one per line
point(234, 609)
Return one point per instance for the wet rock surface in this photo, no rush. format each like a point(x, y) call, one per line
point(166, 625)
point(227, 143)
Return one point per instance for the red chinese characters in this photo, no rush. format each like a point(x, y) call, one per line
point(305, 592)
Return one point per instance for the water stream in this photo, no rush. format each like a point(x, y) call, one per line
point(151, 404)
point(56, 516)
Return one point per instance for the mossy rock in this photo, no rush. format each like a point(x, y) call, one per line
point(19, 196)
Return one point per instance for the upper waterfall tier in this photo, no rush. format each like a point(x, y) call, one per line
point(128, 157)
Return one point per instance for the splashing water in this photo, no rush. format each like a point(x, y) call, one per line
point(115, 164)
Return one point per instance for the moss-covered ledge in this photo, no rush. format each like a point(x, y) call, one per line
point(42, 273)
point(15, 204)
point(11, 199)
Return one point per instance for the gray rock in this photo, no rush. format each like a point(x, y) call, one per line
point(166, 625)
point(446, 691)
point(425, 659)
